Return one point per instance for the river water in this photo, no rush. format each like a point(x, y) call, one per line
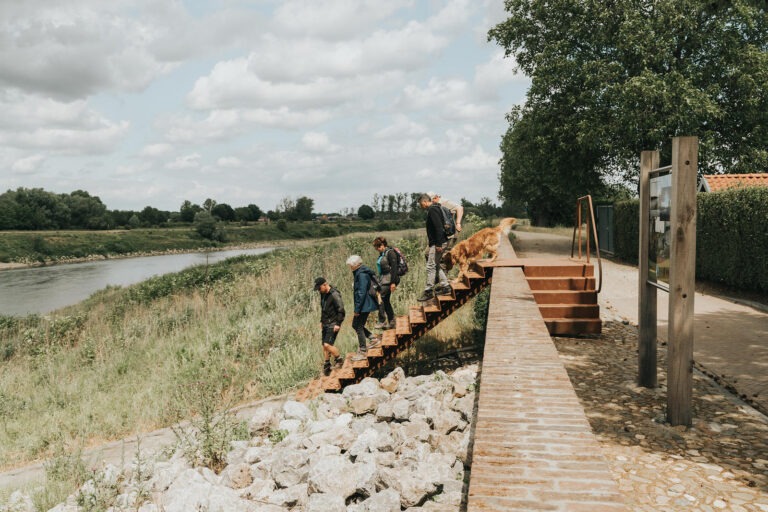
point(45, 289)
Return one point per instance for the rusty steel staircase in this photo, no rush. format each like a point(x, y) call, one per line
point(409, 328)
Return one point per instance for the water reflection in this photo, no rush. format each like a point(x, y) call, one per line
point(44, 289)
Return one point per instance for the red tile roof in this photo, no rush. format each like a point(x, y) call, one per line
point(717, 182)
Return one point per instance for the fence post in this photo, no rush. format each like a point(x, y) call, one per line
point(646, 353)
point(682, 280)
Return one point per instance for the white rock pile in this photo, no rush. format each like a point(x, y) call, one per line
point(379, 446)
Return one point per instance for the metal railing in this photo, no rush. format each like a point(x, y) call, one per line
point(580, 203)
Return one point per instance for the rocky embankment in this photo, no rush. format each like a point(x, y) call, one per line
point(380, 446)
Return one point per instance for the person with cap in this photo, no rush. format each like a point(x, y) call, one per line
point(364, 305)
point(331, 317)
point(437, 244)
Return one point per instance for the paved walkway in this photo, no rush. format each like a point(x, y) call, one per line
point(730, 339)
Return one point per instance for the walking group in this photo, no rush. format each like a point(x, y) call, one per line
point(372, 291)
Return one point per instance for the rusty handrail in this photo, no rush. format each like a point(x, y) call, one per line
point(590, 222)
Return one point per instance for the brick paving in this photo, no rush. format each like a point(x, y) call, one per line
point(533, 445)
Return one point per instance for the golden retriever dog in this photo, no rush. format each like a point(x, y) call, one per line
point(468, 251)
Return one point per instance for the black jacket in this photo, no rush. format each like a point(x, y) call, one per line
point(435, 226)
point(332, 308)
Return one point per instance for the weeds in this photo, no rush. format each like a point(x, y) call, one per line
point(139, 358)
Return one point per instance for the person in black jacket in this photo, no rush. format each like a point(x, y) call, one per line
point(437, 244)
point(331, 316)
point(387, 265)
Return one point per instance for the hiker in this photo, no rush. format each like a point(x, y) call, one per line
point(364, 304)
point(389, 278)
point(456, 210)
point(437, 243)
point(331, 316)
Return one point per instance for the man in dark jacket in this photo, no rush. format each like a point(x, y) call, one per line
point(331, 316)
point(437, 244)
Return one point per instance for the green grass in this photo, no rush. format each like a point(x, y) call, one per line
point(120, 362)
point(55, 246)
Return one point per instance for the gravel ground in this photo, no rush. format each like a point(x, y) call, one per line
point(720, 463)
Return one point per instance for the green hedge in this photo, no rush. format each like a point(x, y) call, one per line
point(626, 231)
point(731, 236)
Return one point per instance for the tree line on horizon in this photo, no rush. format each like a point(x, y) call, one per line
point(35, 209)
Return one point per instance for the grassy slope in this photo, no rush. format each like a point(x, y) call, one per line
point(127, 360)
point(39, 246)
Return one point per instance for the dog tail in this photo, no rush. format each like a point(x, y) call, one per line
point(506, 224)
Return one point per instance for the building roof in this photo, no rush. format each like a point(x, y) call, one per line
point(716, 182)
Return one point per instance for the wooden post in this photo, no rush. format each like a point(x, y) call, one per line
point(647, 321)
point(682, 280)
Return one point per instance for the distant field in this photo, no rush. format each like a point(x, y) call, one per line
point(55, 246)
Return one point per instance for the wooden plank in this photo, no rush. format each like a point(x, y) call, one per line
point(647, 321)
point(682, 285)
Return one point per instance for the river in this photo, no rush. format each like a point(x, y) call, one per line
point(45, 289)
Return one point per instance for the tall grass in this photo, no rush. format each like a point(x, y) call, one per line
point(116, 364)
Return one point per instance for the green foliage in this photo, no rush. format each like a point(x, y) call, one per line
point(626, 231)
point(731, 236)
point(612, 79)
point(208, 227)
point(365, 212)
point(277, 435)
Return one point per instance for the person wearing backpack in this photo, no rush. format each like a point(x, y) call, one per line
point(388, 265)
point(437, 244)
point(453, 213)
point(364, 291)
point(331, 317)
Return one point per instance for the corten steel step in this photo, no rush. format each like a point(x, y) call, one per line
point(564, 297)
point(571, 326)
point(562, 269)
point(408, 328)
point(552, 311)
point(561, 283)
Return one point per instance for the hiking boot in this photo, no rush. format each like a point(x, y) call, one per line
point(391, 325)
point(380, 325)
point(327, 368)
point(338, 364)
point(443, 289)
point(373, 342)
point(360, 355)
point(426, 295)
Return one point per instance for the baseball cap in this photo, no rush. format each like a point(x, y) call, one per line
point(433, 195)
point(319, 282)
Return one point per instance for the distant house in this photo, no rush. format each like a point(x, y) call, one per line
point(717, 182)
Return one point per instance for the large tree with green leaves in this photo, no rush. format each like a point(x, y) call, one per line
point(613, 78)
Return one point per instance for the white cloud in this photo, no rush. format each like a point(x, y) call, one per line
point(401, 127)
point(154, 150)
point(28, 164)
point(230, 162)
point(319, 142)
point(478, 160)
point(190, 161)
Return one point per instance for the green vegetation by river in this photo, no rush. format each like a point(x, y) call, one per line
point(129, 360)
point(57, 246)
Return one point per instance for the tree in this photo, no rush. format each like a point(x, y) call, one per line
point(208, 205)
point(303, 208)
point(151, 216)
point(365, 212)
point(86, 211)
point(610, 79)
point(224, 212)
point(208, 227)
point(188, 211)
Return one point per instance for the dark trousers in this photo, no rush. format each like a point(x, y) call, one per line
point(386, 312)
point(358, 324)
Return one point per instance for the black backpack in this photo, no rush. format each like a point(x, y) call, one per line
point(448, 223)
point(402, 265)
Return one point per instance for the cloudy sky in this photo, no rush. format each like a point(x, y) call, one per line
point(151, 102)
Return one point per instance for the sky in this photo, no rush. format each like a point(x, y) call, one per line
point(153, 102)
